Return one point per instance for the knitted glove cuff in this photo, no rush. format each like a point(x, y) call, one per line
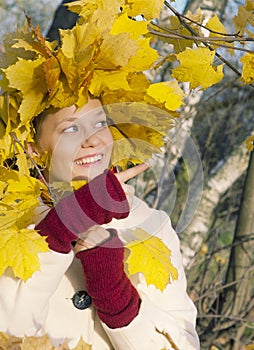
point(97, 202)
point(115, 298)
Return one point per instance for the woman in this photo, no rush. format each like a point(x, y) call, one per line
point(123, 314)
point(82, 290)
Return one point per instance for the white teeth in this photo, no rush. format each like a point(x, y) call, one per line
point(88, 160)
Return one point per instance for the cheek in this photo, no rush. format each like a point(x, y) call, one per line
point(62, 155)
point(108, 139)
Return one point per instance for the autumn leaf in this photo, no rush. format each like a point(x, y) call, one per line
point(113, 51)
point(218, 30)
point(145, 57)
point(248, 68)
point(176, 25)
point(250, 143)
point(245, 16)
point(82, 345)
point(149, 255)
point(124, 24)
point(28, 76)
point(138, 130)
point(52, 73)
point(196, 67)
point(103, 13)
point(168, 93)
point(113, 80)
point(10, 342)
point(137, 148)
point(147, 9)
point(19, 246)
point(37, 343)
point(19, 250)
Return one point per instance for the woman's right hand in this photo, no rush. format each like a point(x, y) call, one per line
point(128, 174)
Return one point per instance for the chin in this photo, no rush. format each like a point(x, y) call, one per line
point(88, 175)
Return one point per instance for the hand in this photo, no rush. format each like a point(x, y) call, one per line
point(94, 236)
point(127, 175)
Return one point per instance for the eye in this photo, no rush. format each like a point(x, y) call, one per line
point(101, 124)
point(70, 129)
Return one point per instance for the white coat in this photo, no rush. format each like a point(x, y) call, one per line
point(43, 304)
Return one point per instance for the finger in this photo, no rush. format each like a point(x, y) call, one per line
point(128, 174)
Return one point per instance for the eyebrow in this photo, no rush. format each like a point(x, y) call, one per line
point(72, 119)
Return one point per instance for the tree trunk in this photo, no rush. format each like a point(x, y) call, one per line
point(63, 19)
point(215, 187)
point(239, 299)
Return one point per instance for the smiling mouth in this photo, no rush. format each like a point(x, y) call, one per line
point(88, 160)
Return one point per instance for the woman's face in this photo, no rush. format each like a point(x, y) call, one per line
point(78, 141)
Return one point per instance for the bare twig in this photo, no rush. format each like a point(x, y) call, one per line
point(36, 166)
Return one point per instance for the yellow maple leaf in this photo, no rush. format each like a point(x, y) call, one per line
point(113, 80)
point(74, 41)
point(19, 250)
point(25, 184)
point(19, 199)
point(176, 25)
point(113, 51)
point(245, 16)
point(147, 9)
point(168, 93)
point(248, 68)
point(218, 30)
point(52, 73)
point(10, 342)
point(134, 149)
point(37, 343)
point(16, 209)
point(103, 13)
point(196, 67)
point(84, 8)
point(28, 77)
point(124, 24)
point(82, 345)
point(149, 255)
point(137, 128)
point(145, 57)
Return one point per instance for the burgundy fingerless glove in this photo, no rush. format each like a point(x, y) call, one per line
point(113, 295)
point(96, 203)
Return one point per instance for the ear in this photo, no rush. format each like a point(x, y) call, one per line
point(33, 149)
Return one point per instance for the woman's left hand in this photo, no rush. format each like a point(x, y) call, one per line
point(93, 237)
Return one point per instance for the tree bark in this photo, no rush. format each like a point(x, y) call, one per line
point(215, 187)
point(239, 297)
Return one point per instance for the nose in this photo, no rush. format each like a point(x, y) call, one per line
point(91, 141)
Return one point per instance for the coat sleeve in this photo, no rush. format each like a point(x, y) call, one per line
point(167, 319)
point(24, 305)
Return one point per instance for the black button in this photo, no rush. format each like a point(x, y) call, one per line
point(81, 300)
